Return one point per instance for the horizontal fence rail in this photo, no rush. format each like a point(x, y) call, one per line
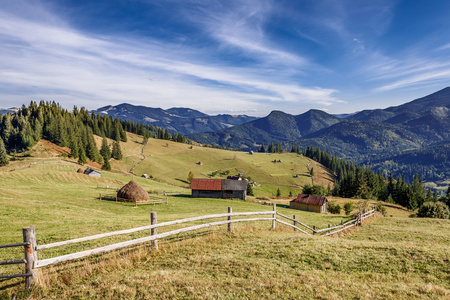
point(54, 260)
point(137, 229)
point(32, 263)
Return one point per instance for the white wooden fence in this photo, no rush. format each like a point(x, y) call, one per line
point(32, 263)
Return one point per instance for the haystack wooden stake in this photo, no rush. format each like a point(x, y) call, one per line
point(153, 221)
point(29, 237)
point(274, 216)
point(230, 210)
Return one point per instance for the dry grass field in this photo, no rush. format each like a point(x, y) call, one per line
point(388, 258)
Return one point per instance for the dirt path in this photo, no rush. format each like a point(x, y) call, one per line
point(143, 158)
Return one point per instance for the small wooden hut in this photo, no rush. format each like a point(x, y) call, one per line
point(133, 192)
point(309, 203)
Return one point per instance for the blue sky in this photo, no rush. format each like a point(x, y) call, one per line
point(224, 56)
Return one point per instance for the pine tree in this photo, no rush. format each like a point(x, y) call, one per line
point(106, 165)
point(3, 157)
point(116, 152)
point(278, 192)
point(279, 148)
point(262, 149)
point(105, 152)
point(271, 148)
point(82, 156)
point(166, 134)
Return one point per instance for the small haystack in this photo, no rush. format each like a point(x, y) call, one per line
point(80, 170)
point(133, 192)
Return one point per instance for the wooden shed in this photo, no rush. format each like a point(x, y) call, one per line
point(310, 203)
point(92, 172)
point(219, 188)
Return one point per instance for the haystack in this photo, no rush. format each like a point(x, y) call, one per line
point(133, 192)
point(80, 170)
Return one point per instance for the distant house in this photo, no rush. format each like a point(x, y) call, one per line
point(219, 188)
point(310, 203)
point(92, 172)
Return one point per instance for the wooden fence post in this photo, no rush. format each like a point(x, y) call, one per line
point(329, 226)
point(295, 222)
point(314, 229)
point(274, 216)
point(29, 237)
point(100, 196)
point(230, 210)
point(154, 231)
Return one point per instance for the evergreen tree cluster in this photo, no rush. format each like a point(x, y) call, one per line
point(271, 148)
point(357, 182)
point(21, 130)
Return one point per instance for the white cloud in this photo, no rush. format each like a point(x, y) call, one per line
point(68, 66)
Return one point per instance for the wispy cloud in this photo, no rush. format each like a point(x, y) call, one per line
point(63, 64)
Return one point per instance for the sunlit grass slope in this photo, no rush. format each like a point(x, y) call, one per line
point(388, 258)
point(171, 162)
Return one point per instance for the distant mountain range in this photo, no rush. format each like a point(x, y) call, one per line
point(178, 120)
point(4, 111)
point(407, 139)
point(400, 138)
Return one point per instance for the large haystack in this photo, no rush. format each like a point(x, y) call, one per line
point(133, 192)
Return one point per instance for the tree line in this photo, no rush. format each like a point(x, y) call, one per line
point(21, 130)
point(359, 182)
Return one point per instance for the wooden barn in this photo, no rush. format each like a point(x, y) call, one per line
point(219, 188)
point(310, 203)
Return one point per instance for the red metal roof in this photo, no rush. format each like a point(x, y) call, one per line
point(310, 199)
point(206, 184)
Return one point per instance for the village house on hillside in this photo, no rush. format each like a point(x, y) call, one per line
point(92, 172)
point(219, 188)
point(310, 203)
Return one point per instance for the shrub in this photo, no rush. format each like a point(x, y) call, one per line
point(381, 208)
point(433, 210)
point(250, 189)
point(191, 176)
point(333, 207)
point(348, 207)
point(316, 190)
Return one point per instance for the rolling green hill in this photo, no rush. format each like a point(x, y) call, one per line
point(171, 162)
point(42, 188)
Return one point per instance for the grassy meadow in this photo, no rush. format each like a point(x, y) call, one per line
point(388, 258)
point(171, 162)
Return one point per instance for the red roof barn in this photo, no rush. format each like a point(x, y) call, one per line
point(309, 203)
point(219, 188)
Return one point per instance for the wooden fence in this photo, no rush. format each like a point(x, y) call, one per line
point(152, 199)
point(32, 263)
